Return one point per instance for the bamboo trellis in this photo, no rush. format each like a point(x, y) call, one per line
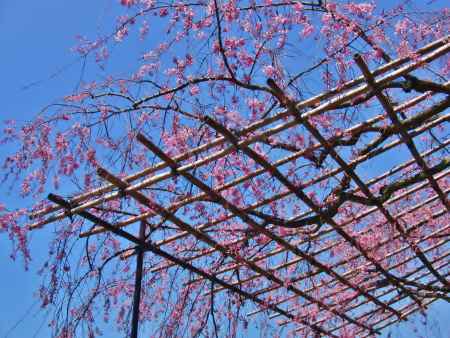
point(379, 300)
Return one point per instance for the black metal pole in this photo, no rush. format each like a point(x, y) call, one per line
point(138, 283)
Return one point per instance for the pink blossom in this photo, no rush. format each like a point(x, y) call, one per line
point(146, 69)
point(231, 10)
point(61, 142)
point(121, 34)
point(270, 71)
point(360, 9)
point(143, 31)
point(127, 3)
point(402, 26)
point(308, 29)
point(194, 90)
point(77, 97)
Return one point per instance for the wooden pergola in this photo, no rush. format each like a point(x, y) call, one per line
point(384, 297)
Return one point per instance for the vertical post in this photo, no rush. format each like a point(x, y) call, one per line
point(138, 282)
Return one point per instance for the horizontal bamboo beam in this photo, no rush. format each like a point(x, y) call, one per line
point(407, 311)
point(383, 293)
point(396, 299)
point(321, 108)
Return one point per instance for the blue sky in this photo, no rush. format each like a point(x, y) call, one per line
point(37, 67)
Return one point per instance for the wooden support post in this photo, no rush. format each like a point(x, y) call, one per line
point(138, 282)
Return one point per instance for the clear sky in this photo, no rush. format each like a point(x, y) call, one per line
point(36, 67)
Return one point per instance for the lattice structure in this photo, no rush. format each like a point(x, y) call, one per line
point(361, 291)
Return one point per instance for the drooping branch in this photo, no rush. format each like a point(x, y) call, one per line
point(339, 196)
